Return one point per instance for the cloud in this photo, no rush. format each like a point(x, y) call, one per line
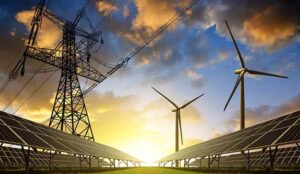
point(126, 11)
point(224, 55)
point(270, 27)
point(265, 24)
point(106, 7)
point(266, 112)
point(48, 34)
point(149, 11)
point(196, 78)
point(118, 122)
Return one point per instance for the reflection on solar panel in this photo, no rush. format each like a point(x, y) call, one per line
point(274, 143)
point(26, 144)
point(13, 157)
point(285, 157)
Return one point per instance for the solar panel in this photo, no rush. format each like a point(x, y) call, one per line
point(293, 134)
point(279, 131)
point(267, 139)
point(13, 157)
point(6, 135)
point(285, 157)
point(18, 131)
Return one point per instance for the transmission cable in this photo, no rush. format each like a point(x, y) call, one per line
point(125, 60)
point(6, 82)
point(21, 90)
point(34, 92)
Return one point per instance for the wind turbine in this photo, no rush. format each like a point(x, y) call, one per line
point(178, 118)
point(240, 80)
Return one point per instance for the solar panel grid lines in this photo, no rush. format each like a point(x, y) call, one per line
point(262, 135)
point(291, 135)
point(274, 125)
point(32, 139)
point(285, 157)
point(42, 159)
point(24, 132)
point(269, 126)
point(42, 137)
point(290, 131)
point(267, 139)
point(8, 136)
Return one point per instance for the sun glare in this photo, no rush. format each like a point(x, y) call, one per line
point(148, 152)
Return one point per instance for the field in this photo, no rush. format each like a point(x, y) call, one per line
point(149, 170)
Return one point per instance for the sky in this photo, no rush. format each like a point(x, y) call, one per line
point(194, 55)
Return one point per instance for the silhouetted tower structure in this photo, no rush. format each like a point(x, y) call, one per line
point(72, 56)
point(69, 112)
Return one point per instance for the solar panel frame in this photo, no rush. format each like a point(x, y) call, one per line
point(262, 135)
point(8, 136)
point(19, 131)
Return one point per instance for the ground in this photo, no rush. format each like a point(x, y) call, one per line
point(150, 170)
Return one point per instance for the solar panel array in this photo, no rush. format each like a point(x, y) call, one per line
point(285, 157)
point(279, 131)
point(18, 131)
point(14, 158)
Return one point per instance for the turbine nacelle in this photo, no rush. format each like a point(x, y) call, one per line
point(178, 117)
point(240, 80)
point(239, 71)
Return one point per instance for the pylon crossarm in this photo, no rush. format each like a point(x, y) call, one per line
point(86, 42)
point(83, 68)
point(60, 23)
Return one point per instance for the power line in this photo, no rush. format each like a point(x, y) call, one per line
point(21, 90)
point(4, 85)
point(6, 82)
point(124, 61)
point(160, 30)
point(35, 91)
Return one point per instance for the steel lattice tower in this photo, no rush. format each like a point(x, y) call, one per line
point(69, 112)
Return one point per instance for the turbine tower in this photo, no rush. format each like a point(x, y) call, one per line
point(240, 80)
point(178, 119)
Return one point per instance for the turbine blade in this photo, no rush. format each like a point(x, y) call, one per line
point(264, 73)
point(185, 105)
point(165, 97)
point(180, 127)
point(236, 46)
point(234, 88)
